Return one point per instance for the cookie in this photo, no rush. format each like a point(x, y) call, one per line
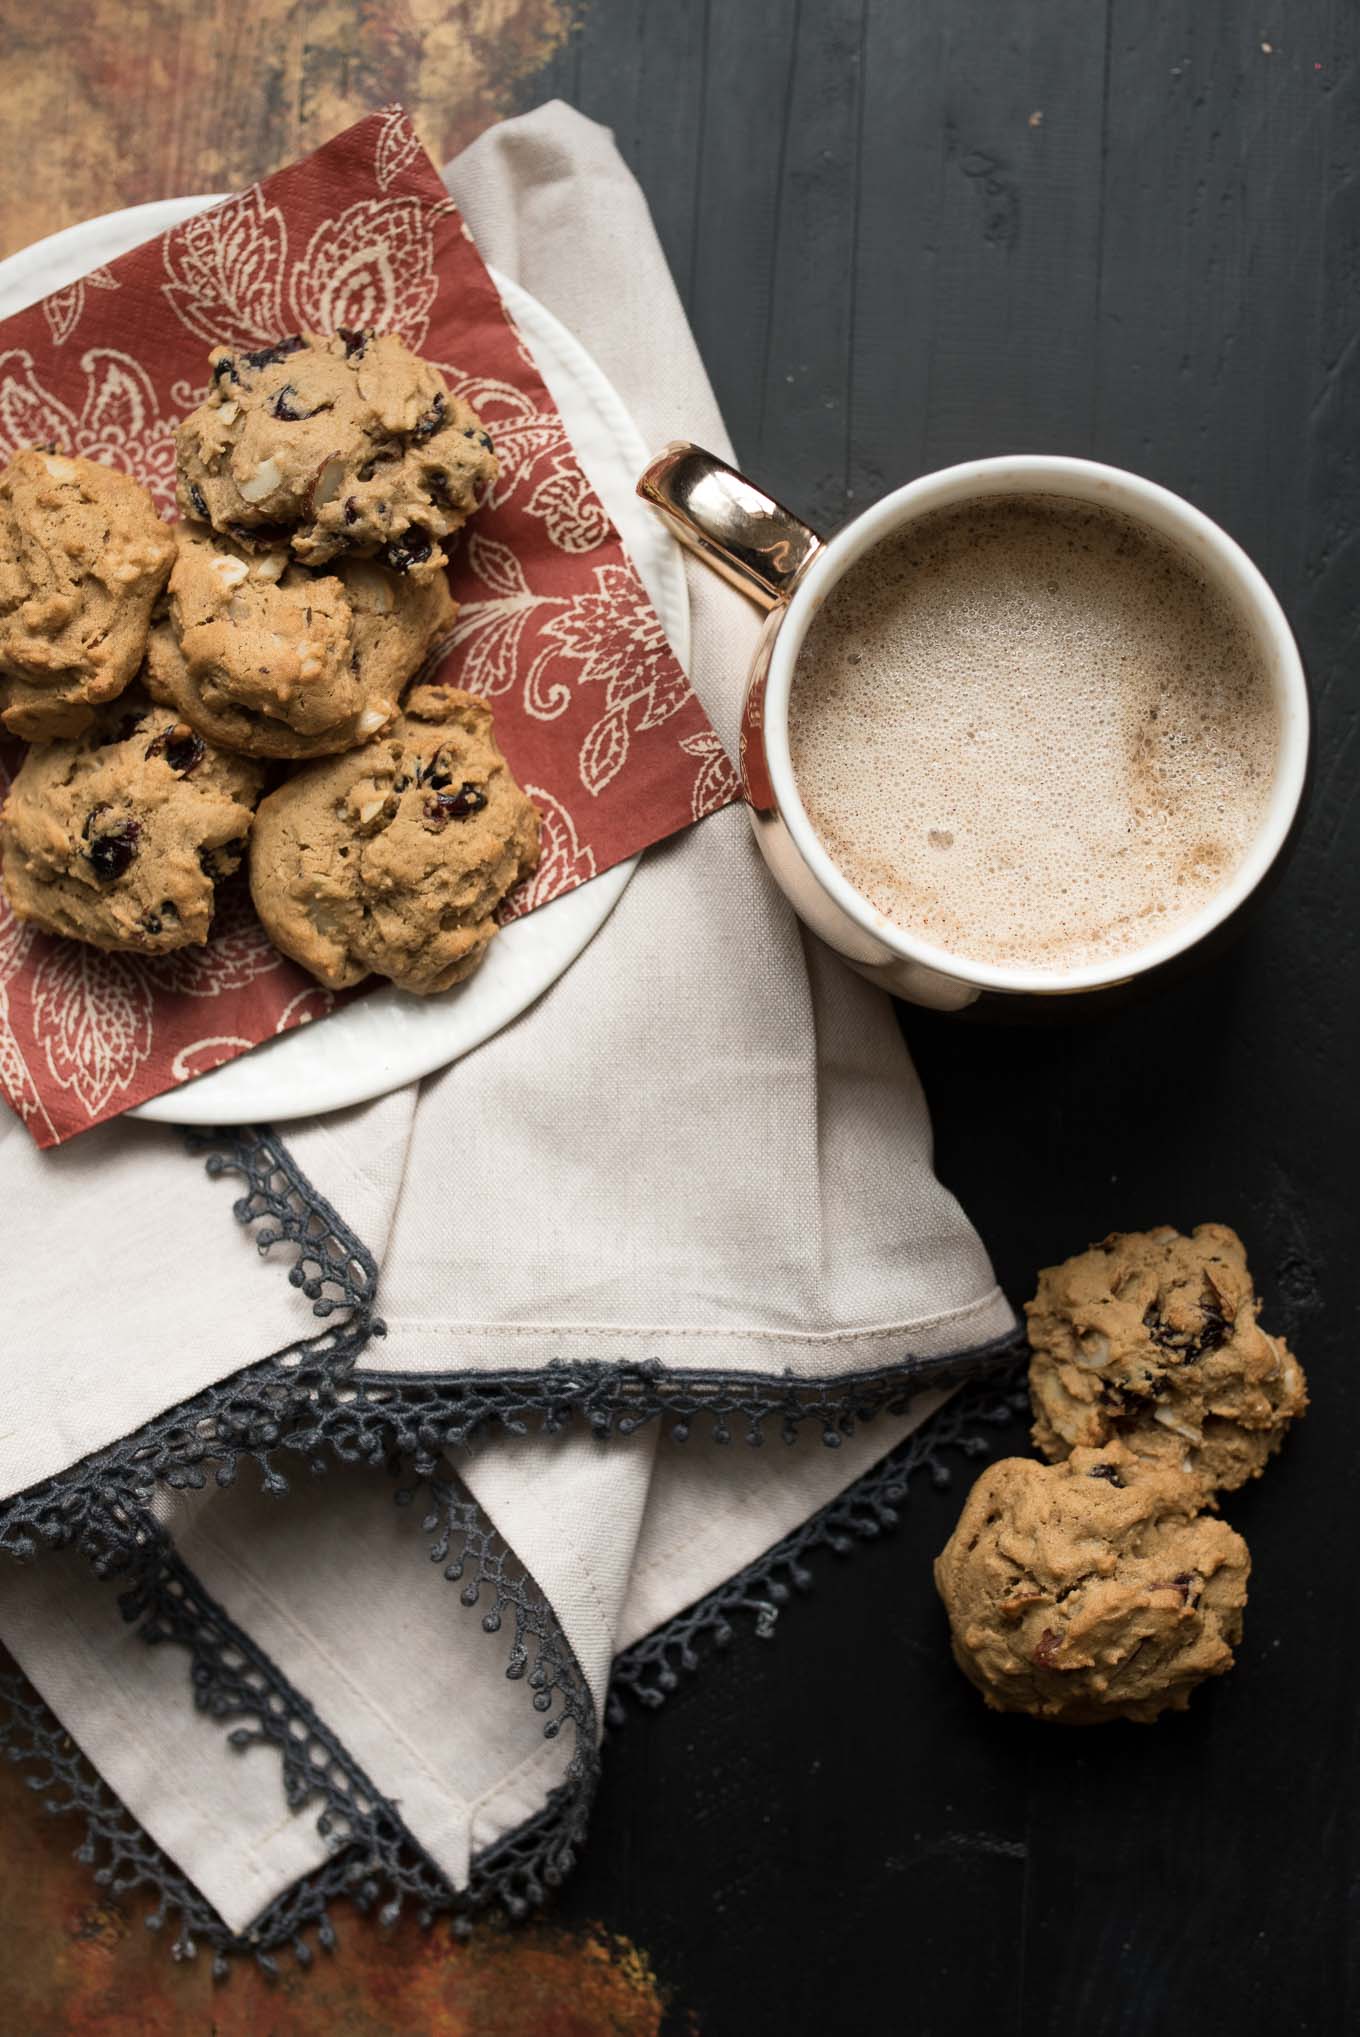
point(266, 657)
point(83, 555)
point(392, 860)
point(1091, 1589)
point(1153, 1337)
point(118, 836)
point(342, 445)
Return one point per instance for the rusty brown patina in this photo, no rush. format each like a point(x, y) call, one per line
point(77, 1964)
point(109, 102)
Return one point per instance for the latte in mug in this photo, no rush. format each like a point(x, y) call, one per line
point(1030, 732)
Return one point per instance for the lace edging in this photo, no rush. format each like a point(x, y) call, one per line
point(313, 1402)
point(374, 1862)
point(377, 1865)
point(295, 1400)
point(651, 1668)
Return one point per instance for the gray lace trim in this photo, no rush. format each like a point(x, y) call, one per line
point(294, 1402)
point(651, 1669)
point(377, 1865)
point(313, 1403)
point(374, 1862)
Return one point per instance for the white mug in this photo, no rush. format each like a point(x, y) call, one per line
point(767, 552)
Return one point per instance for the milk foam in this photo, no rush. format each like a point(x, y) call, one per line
point(1031, 733)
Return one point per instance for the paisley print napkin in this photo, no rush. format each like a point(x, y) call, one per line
point(592, 709)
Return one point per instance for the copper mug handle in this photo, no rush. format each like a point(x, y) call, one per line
point(764, 550)
point(742, 533)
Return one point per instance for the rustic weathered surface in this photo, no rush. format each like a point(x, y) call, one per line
point(74, 1963)
point(109, 102)
point(916, 231)
point(910, 231)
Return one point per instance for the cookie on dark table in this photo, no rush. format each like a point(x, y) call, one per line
point(393, 859)
point(1092, 1589)
point(1152, 1337)
point(119, 836)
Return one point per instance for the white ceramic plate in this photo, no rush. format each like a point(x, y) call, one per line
point(387, 1038)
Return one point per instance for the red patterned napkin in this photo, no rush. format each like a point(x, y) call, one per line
point(594, 714)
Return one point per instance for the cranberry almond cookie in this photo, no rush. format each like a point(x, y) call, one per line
point(1153, 1337)
point(119, 836)
point(393, 859)
point(334, 446)
point(263, 656)
point(1092, 1589)
point(83, 556)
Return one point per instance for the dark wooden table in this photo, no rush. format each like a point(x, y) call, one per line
point(911, 231)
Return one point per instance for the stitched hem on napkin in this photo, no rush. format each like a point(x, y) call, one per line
point(288, 1402)
point(429, 1345)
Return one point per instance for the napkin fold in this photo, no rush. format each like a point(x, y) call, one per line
point(687, 1197)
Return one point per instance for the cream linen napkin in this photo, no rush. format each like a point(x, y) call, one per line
point(702, 1157)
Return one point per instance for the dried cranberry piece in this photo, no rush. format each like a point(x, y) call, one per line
point(1188, 1345)
point(1128, 1398)
point(198, 501)
point(379, 457)
point(181, 746)
point(220, 862)
point(111, 850)
point(351, 510)
point(459, 805)
point(184, 750)
point(430, 423)
point(1047, 1647)
point(408, 550)
point(283, 409)
point(356, 342)
point(259, 536)
point(265, 357)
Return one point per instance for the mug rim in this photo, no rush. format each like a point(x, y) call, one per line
point(1082, 480)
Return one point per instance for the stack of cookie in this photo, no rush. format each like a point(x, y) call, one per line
point(1101, 1585)
point(167, 677)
